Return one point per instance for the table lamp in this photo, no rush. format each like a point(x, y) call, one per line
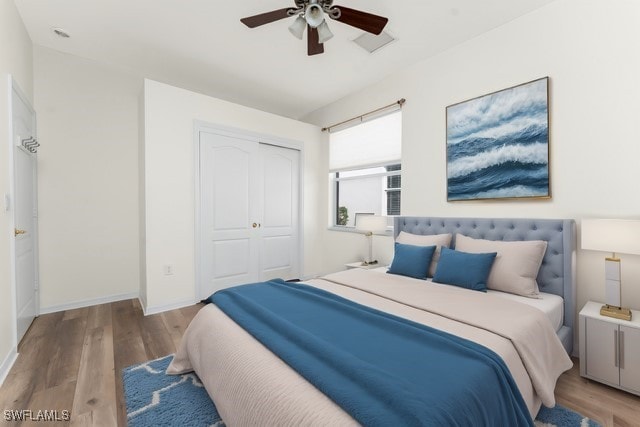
point(370, 224)
point(616, 236)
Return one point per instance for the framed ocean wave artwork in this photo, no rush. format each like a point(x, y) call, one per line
point(498, 145)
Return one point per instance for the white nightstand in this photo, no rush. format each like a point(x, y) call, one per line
point(364, 267)
point(610, 348)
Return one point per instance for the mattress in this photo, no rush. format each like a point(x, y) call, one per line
point(551, 305)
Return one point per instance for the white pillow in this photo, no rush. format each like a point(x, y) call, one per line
point(516, 266)
point(438, 240)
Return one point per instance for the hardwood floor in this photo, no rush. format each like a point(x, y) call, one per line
point(73, 360)
point(607, 405)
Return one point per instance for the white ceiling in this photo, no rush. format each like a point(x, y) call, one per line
point(202, 46)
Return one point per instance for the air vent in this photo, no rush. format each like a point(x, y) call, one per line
point(61, 33)
point(371, 43)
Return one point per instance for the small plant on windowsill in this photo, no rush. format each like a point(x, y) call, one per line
point(343, 215)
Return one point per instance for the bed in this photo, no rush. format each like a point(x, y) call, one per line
point(557, 272)
point(250, 385)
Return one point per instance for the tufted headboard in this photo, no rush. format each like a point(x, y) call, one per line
point(557, 272)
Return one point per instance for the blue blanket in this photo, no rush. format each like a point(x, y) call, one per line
point(381, 369)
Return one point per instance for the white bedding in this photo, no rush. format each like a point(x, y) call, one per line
point(550, 304)
point(250, 385)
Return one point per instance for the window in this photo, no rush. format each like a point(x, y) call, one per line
point(365, 169)
point(393, 189)
point(372, 191)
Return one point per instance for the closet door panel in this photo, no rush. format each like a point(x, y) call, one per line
point(280, 171)
point(249, 212)
point(229, 186)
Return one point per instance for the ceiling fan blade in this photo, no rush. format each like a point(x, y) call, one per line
point(314, 47)
point(365, 21)
point(266, 18)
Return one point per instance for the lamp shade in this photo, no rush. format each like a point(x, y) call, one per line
point(324, 33)
point(611, 235)
point(372, 223)
point(314, 15)
point(298, 27)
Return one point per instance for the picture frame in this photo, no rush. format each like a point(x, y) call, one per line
point(498, 145)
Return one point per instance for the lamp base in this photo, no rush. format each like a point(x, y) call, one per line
point(616, 312)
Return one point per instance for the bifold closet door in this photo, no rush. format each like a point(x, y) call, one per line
point(249, 204)
point(279, 234)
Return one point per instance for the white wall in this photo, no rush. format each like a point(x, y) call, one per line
point(88, 180)
point(15, 60)
point(169, 175)
point(588, 48)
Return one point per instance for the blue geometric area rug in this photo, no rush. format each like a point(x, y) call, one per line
point(157, 399)
point(560, 416)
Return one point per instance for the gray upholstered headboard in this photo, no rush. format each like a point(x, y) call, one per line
point(557, 273)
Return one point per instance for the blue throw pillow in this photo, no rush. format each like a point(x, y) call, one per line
point(464, 269)
point(412, 261)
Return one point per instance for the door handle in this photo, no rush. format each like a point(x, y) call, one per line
point(621, 350)
point(616, 354)
point(16, 232)
point(256, 225)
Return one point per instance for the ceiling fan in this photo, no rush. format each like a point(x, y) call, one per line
point(311, 14)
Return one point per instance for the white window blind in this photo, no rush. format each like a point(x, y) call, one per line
point(373, 143)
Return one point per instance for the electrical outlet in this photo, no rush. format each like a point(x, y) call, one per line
point(168, 270)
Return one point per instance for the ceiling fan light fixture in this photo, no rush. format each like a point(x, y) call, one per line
point(324, 33)
point(298, 27)
point(314, 15)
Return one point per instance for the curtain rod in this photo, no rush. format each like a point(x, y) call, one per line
point(399, 102)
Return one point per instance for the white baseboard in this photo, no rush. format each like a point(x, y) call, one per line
point(143, 302)
point(7, 363)
point(88, 302)
point(161, 308)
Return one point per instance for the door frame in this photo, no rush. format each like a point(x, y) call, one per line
point(13, 87)
point(202, 126)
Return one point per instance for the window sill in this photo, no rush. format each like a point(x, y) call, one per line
point(388, 232)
